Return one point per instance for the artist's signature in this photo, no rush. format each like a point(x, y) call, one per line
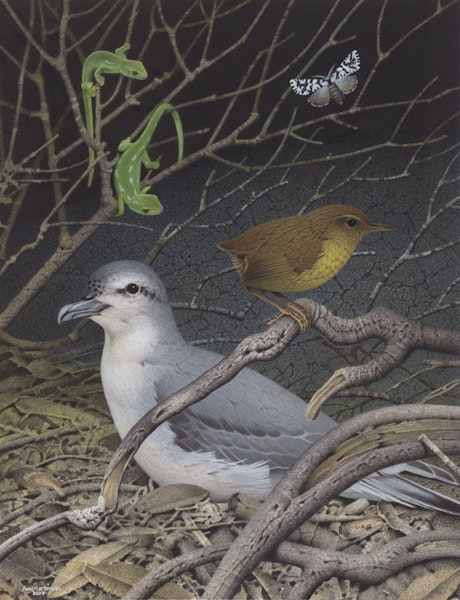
point(38, 590)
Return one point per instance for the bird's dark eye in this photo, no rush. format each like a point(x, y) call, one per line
point(132, 288)
point(351, 223)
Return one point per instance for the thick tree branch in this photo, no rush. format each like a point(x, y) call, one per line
point(368, 569)
point(401, 336)
point(287, 506)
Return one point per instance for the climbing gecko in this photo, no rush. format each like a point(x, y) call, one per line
point(127, 173)
point(102, 61)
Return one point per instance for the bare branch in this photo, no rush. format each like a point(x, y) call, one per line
point(369, 569)
point(287, 507)
point(400, 334)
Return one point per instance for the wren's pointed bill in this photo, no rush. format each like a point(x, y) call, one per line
point(298, 253)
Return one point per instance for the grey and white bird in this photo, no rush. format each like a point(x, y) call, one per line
point(241, 438)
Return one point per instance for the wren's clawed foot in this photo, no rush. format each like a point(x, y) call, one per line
point(289, 308)
point(297, 312)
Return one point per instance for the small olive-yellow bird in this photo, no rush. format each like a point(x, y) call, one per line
point(298, 253)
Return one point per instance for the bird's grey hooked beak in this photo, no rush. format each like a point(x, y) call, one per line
point(78, 310)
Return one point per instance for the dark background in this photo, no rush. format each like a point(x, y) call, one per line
point(391, 150)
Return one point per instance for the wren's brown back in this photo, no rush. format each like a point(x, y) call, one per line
point(299, 253)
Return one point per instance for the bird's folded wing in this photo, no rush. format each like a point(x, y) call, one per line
point(248, 443)
point(266, 268)
point(251, 418)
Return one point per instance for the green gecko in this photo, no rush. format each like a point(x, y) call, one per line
point(102, 61)
point(127, 173)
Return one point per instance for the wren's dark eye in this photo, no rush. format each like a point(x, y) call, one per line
point(351, 223)
point(132, 288)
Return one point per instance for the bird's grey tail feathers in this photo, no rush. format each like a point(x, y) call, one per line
point(394, 488)
point(423, 469)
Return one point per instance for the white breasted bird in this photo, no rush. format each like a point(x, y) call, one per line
point(241, 438)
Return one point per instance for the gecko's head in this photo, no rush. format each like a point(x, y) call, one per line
point(135, 70)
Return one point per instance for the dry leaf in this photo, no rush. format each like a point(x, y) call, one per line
point(244, 507)
point(115, 579)
point(171, 497)
point(35, 480)
point(439, 585)
point(267, 583)
point(172, 591)
point(70, 577)
point(47, 408)
point(65, 583)
point(356, 529)
point(23, 565)
point(395, 522)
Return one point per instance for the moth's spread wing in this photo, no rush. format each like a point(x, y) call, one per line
point(305, 87)
point(347, 84)
point(348, 66)
point(321, 97)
